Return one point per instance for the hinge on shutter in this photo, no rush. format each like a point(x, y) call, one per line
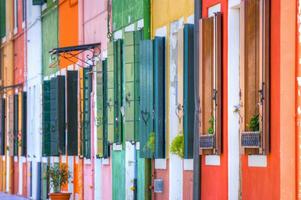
point(214, 96)
point(261, 93)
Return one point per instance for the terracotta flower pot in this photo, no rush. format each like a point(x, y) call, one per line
point(59, 196)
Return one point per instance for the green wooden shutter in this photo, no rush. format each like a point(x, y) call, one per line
point(129, 68)
point(72, 112)
point(16, 128)
point(2, 18)
point(24, 124)
point(188, 90)
point(118, 90)
point(106, 145)
point(61, 115)
point(46, 119)
point(38, 2)
point(99, 109)
point(146, 98)
point(159, 96)
point(2, 126)
point(110, 93)
point(87, 113)
point(53, 117)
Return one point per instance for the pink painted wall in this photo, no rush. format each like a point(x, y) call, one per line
point(107, 180)
point(187, 184)
point(162, 174)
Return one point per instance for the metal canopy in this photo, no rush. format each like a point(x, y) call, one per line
point(70, 52)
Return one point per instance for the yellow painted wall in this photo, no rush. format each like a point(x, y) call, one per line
point(163, 13)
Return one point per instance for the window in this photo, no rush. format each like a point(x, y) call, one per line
point(210, 81)
point(254, 77)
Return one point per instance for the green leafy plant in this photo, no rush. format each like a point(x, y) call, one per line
point(150, 145)
point(211, 127)
point(253, 125)
point(177, 145)
point(59, 175)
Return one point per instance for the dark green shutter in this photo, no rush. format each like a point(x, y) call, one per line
point(146, 98)
point(16, 115)
point(87, 113)
point(24, 124)
point(110, 93)
point(106, 146)
point(72, 114)
point(61, 115)
point(46, 119)
point(2, 126)
point(2, 18)
point(118, 90)
point(99, 109)
point(159, 96)
point(188, 90)
point(38, 2)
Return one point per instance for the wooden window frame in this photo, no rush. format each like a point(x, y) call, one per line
point(256, 142)
point(210, 144)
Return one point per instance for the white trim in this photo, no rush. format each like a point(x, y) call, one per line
point(117, 147)
point(130, 28)
point(214, 9)
point(104, 54)
point(44, 159)
point(105, 161)
point(63, 159)
point(23, 24)
point(137, 145)
point(87, 161)
point(188, 164)
point(140, 24)
point(15, 158)
point(257, 161)
point(44, 6)
point(160, 163)
point(190, 19)
point(213, 160)
point(118, 35)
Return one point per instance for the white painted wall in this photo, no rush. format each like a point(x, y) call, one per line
point(34, 88)
point(233, 100)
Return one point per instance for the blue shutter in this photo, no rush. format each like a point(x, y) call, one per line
point(159, 96)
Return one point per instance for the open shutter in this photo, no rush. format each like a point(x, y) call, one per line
point(159, 96)
point(129, 68)
point(72, 112)
point(110, 93)
point(16, 129)
point(99, 109)
point(2, 19)
point(106, 145)
point(210, 84)
point(254, 73)
point(188, 90)
point(146, 100)
point(2, 126)
point(118, 91)
point(46, 119)
point(87, 113)
point(24, 124)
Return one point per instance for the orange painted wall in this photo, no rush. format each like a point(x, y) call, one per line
point(217, 176)
point(68, 26)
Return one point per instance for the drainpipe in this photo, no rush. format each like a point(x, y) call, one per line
point(196, 155)
point(298, 100)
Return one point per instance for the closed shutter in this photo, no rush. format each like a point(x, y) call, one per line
point(38, 2)
point(11, 125)
point(24, 124)
point(2, 126)
point(118, 91)
point(16, 129)
point(146, 133)
point(2, 18)
point(159, 96)
point(106, 145)
point(46, 119)
point(87, 113)
point(210, 85)
point(110, 93)
point(99, 109)
point(188, 90)
point(54, 151)
point(129, 117)
point(61, 115)
point(72, 114)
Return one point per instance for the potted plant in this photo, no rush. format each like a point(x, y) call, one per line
point(251, 137)
point(150, 144)
point(177, 145)
point(58, 176)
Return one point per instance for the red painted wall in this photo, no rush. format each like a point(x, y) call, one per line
point(187, 185)
point(162, 174)
point(217, 176)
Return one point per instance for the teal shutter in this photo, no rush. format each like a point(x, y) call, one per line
point(188, 90)
point(72, 112)
point(2, 126)
point(16, 119)
point(159, 96)
point(24, 124)
point(129, 119)
point(61, 115)
point(38, 2)
point(46, 119)
point(118, 90)
point(110, 93)
point(146, 99)
point(106, 145)
point(99, 109)
point(87, 113)
point(2, 18)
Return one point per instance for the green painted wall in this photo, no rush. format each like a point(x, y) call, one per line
point(49, 36)
point(143, 178)
point(118, 175)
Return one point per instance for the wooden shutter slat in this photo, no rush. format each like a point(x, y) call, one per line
point(2, 126)
point(2, 19)
point(54, 138)
point(72, 110)
point(11, 124)
point(87, 113)
point(61, 119)
point(106, 145)
point(99, 109)
point(110, 93)
point(16, 129)
point(46, 119)
point(159, 96)
point(188, 120)
point(24, 124)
